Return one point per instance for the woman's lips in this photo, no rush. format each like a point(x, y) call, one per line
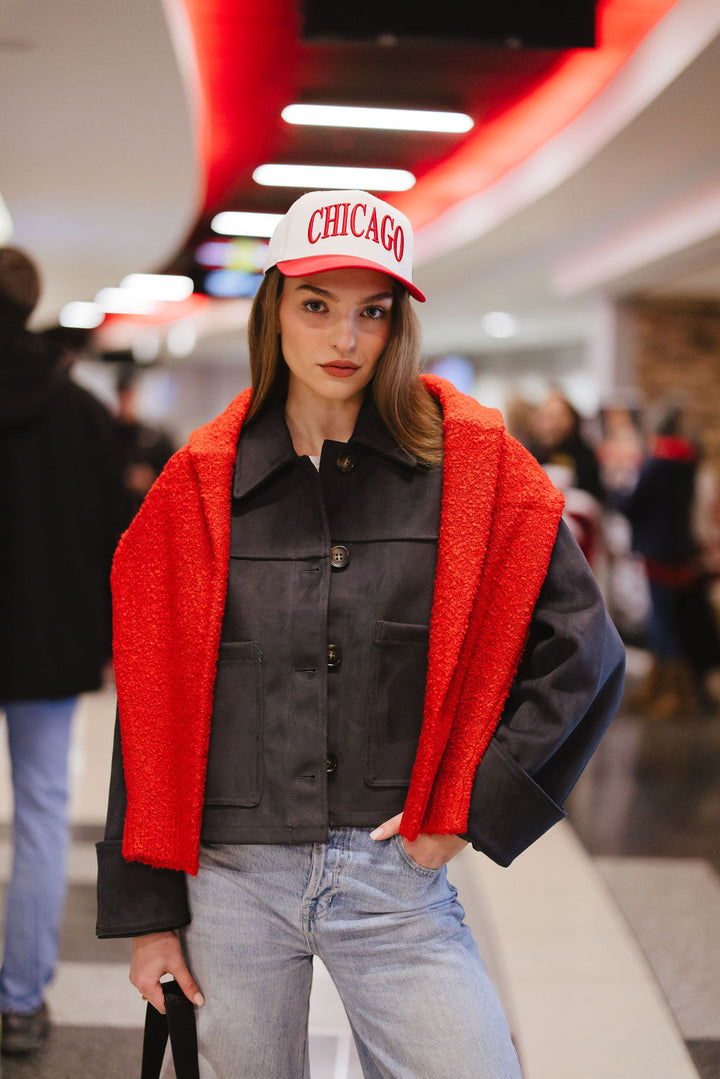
point(340, 369)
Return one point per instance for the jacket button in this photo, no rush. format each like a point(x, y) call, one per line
point(334, 656)
point(331, 763)
point(339, 556)
point(345, 461)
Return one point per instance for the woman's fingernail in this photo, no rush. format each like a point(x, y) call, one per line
point(199, 998)
point(377, 834)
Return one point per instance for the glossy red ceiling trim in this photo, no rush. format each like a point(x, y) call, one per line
point(492, 151)
point(245, 66)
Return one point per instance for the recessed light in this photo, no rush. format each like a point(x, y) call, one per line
point(380, 119)
point(334, 176)
point(146, 348)
point(499, 324)
point(181, 339)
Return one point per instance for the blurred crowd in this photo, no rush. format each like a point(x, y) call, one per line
point(642, 498)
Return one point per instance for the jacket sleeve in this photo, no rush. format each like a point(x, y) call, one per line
point(566, 691)
point(133, 898)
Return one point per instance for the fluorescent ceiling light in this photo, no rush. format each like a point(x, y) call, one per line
point(383, 119)
point(499, 324)
point(123, 301)
point(237, 223)
point(158, 287)
point(77, 315)
point(333, 176)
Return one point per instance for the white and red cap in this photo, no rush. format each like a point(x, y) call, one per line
point(337, 230)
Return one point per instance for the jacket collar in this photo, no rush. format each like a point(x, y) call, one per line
point(370, 431)
point(265, 446)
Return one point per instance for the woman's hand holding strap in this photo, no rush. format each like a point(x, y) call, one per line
point(154, 955)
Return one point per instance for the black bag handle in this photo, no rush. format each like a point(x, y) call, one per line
point(179, 1024)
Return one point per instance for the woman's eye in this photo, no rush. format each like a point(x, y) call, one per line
point(376, 312)
point(314, 306)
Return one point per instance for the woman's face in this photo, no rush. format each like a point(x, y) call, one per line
point(334, 327)
point(554, 421)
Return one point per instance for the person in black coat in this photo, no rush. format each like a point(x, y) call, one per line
point(146, 449)
point(62, 508)
point(570, 461)
point(558, 441)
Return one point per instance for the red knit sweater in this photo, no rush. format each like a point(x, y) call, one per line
point(498, 524)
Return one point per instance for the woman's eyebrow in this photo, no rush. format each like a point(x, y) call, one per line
point(316, 288)
point(326, 294)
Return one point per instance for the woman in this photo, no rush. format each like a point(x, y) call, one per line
point(349, 639)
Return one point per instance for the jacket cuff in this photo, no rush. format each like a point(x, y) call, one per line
point(508, 810)
point(134, 899)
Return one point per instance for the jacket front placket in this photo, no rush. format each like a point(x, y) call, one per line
point(277, 601)
point(330, 573)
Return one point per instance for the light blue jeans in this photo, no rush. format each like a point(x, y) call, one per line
point(391, 934)
point(39, 740)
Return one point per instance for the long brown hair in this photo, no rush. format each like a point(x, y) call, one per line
point(410, 413)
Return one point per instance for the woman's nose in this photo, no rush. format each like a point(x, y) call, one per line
point(344, 336)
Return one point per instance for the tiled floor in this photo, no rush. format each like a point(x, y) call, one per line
point(608, 962)
point(648, 810)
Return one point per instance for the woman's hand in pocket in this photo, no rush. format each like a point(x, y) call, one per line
point(430, 851)
point(156, 954)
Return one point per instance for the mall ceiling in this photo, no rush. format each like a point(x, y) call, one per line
point(589, 172)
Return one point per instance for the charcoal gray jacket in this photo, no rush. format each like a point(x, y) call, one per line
point(321, 672)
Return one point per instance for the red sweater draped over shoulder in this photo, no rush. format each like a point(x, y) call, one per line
point(499, 519)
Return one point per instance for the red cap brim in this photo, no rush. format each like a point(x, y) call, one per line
point(320, 263)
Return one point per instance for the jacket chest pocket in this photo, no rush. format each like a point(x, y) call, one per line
point(234, 771)
point(396, 702)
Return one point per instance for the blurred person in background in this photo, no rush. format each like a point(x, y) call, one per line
point(61, 510)
point(620, 452)
point(706, 526)
point(559, 440)
point(682, 631)
point(519, 415)
point(571, 463)
point(701, 613)
point(146, 449)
